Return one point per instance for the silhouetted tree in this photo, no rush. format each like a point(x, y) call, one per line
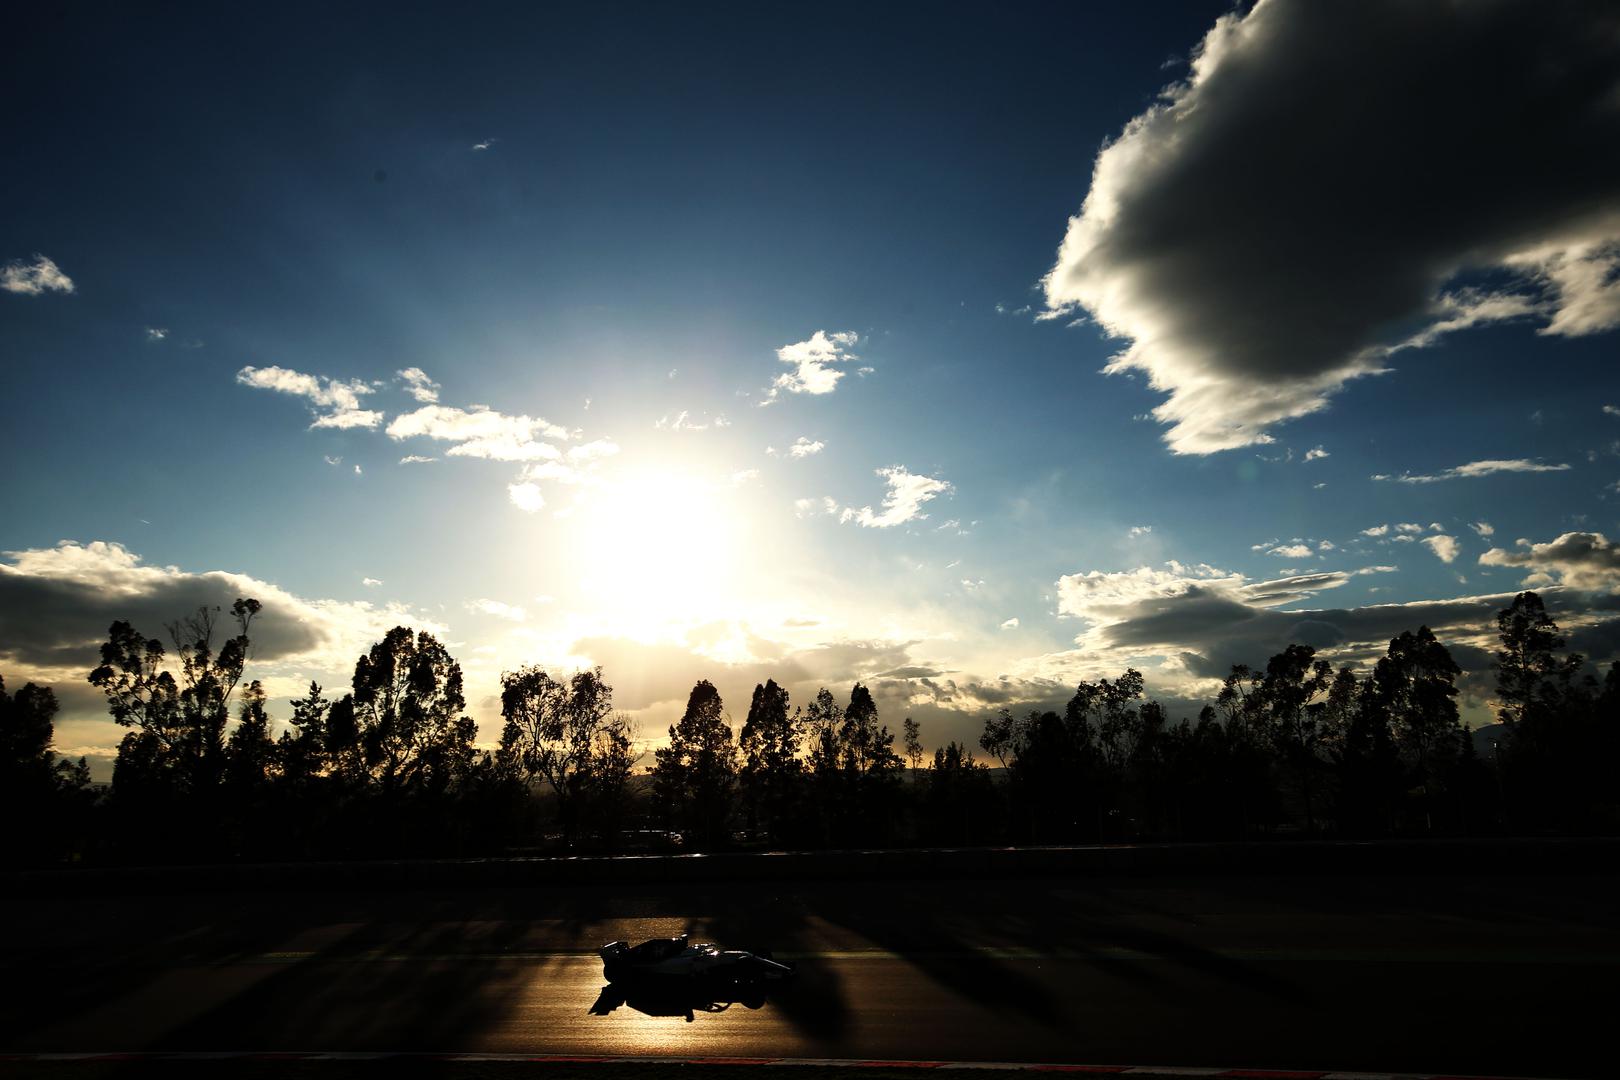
point(566, 734)
point(869, 771)
point(959, 805)
point(693, 777)
point(43, 798)
point(914, 748)
point(771, 771)
point(1293, 684)
point(251, 772)
point(820, 723)
point(407, 707)
point(1416, 685)
point(1555, 721)
point(167, 774)
point(1247, 746)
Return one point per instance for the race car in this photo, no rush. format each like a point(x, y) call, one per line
point(678, 958)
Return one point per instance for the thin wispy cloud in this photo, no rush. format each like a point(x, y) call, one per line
point(686, 421)
point(498, 609)
point(1474, 469)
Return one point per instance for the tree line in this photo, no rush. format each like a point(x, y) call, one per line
point(389, 768)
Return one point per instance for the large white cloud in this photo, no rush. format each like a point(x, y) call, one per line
point(32, 278)
point(1288, 216)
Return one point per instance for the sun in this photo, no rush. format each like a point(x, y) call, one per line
point(658, 547)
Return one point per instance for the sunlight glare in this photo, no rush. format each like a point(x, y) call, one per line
point(659, 547)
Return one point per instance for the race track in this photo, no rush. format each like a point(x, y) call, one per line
point(1457, 974)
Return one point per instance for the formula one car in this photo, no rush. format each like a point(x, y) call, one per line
point(677, 959)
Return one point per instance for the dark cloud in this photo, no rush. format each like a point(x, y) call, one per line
point(1288, 216)
point(56, 605)
point(1581, 560)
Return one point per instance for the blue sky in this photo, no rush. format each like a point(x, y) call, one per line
point(616, 229)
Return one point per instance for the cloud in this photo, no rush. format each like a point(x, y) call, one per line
point(743, 476)
point(1316, 453)
point(1580, 560)
point(526, 496)
point(156, 333)
point(481, 432)
point(352, 418)
point(1010, 624)
point(1612, 410)
point(802, 447)
point(322, 392)
point(370, 582)
point(812, 361)
point(56, 604)
point(1365, 570)
point(484, 144)
point(498, 609)
point(907, 494)
point(416, 459)
point(685, 421)
point(1256, 239)
point(1292, 551)
point(32, 278)
point(1444, 547)
point(1483, 528)
point(419, 386)
point(1202, 621)
point(1475, 469)
point(810, 507)
point(1376, 530)
point(1138, 530)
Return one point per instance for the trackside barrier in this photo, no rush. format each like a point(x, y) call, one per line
point(1282, 857)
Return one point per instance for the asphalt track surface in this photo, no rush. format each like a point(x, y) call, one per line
point(1454, 974)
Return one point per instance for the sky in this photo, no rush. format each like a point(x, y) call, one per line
point(967, 353)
